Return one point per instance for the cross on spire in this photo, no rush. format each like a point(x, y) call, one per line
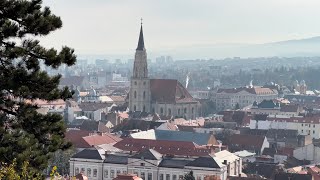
point(141, 21)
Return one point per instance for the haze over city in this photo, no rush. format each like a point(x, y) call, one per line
point(184, 29)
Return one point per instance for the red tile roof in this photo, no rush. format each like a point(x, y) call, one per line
point(169, 91)
point(103, 138)
point(75, 137)
point(163, 147)
point(254, 90)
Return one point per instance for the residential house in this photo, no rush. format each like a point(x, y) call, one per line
point(309, 152)
point(93, 110)
point(304, 125)
point(252, 143)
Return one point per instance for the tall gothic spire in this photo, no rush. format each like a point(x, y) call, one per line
point(141, 41)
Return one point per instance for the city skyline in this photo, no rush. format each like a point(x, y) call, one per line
point(111, 27)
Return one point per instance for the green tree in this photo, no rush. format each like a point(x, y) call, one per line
point(237, 106)
point(26, 135)
point(189, 176)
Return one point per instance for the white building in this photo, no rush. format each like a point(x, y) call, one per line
point(242, 97)
point(309, 152)
point(148, 164)
point(304, 125)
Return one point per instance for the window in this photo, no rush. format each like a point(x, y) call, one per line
point(198, 177)
point(134, 108)
point(161, 177)
point(77, 171)
point(95, 172)
point(118, 172)
point(149, 176)
point(136, 173)
point(89, 172)
point(161, 110)
point(144, 83)
point(144, 109)
point(192, 110)
point(178, 111)
point(124, 172)
point(142, 164)
point(135, 94)
point(301, 124)
point(185, 110)
point(314, 132)
point(144, 94)
point(135, 83)
point(167, 176)
point(169, 112)
point(106, 173)
point(83, 170)
point(180, 177)
point(112, 173)
point(302, 130)
point(314, 125)
point(142, 175)
point(174, 177)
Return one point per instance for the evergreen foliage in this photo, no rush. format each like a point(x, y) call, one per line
point(26, 135)
point(189, 176)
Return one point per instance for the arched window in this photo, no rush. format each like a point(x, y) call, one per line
point(144, 94)
point(144, 109)
point(153, 111)
point(134, 108)
point(161, 110)
point(135, 94)
point(185, 110)
point(178, 111)
point(192, 110)
point(169, 112)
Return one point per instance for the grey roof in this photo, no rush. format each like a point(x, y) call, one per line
point(198, 138)
point(88, 154)
point(174, 163)
point(116, 159)
point(207, 161)
point(90, 106)
point(141, 40)
point(149, 154)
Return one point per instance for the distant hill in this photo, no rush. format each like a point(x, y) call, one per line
point(289, 48)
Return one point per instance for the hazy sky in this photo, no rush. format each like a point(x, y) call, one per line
point(112, 26)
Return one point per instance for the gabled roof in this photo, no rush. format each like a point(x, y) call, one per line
point(116, 159)
point(75, 137)
point(149, 154)
point(103, 138)
point(162, 146)
point(169, 91)
point(174, 163)
point(244, 140)
point(90, 106)
point(88, 154)
point(208, 162)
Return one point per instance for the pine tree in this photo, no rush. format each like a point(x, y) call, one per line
point(189, 176)
point(26, 135)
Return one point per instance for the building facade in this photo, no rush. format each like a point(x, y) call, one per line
point(149, 165)
point(161, 96)
point(241, 97)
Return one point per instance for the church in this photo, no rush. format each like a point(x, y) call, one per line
point(166, 97)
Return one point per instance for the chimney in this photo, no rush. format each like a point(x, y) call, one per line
point(225, 162)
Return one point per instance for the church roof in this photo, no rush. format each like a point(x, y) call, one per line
point(141, 40)
point(169, 91)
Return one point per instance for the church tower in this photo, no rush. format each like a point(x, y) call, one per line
point(140, 96)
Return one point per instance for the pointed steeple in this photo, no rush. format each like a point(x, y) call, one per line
point(141, 41)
